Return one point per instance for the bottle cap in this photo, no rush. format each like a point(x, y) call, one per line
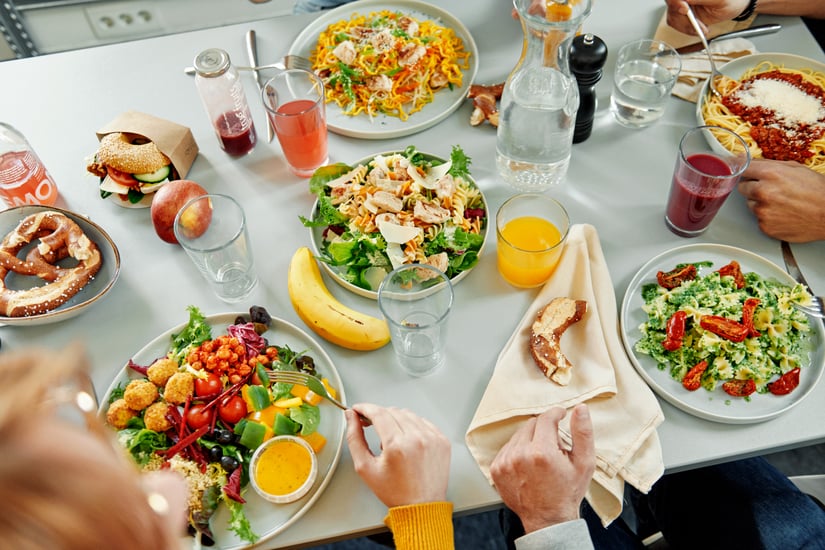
point(212, 62)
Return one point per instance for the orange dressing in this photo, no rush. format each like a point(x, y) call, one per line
point(527, 251)
point(283, 467)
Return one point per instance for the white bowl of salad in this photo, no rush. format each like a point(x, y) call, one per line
point(395, 208)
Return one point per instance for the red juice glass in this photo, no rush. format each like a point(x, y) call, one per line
point(294, 102)
point(703, 178)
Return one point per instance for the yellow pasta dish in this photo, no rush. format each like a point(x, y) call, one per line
point(778, 111)
point(387, 63)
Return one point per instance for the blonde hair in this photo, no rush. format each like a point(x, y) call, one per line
point(56, 500)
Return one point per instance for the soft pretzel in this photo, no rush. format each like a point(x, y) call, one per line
point(60, 237)
point(545, 338)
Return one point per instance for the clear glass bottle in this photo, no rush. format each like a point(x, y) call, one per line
point(23, 178)
point(223, 98)
point(540, 98)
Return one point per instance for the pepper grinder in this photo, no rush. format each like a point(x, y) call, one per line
point(588, 53)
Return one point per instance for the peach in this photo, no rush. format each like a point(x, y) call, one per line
point(168, 201)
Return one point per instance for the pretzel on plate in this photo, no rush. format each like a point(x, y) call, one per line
point(60, 237)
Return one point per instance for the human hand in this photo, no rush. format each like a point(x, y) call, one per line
point(707, 12)
point(787, 198)
point(537, 7)
point(414, 464)
point(539, 480)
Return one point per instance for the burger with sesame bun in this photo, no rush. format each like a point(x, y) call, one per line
point(131, 168)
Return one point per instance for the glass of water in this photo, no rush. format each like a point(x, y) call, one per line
point(212, 230)
point(646, 71)
point(416, 299)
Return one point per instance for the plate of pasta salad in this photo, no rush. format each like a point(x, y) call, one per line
point(712, 329)
point(390, 69)
point(394, 208)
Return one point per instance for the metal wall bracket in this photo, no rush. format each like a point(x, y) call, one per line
point(14, 31)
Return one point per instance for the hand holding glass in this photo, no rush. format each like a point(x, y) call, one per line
point(212, 231)
point(531, 230)
point(703, 179)
point(416, 299)
point(294, 102)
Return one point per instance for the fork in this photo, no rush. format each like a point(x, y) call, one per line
point(289, 62)
point(816, 308)
point(714, 72)
point(315, 385)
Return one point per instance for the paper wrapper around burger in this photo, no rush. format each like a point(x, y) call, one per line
point(173, 140)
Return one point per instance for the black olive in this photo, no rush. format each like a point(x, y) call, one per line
point(239, 320)
point(229, 463)
point(215, 453)
point(224, 437)
point(305, 363)
point(259, 314)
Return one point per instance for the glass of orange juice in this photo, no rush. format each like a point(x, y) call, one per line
point(530, 229)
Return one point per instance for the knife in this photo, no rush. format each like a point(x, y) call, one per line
point(252, 50)
point(792, 266)
point(743, 33)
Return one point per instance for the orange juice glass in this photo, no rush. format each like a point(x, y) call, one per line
point(530, 230)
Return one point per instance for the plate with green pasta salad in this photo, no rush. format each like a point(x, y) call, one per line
point(712, 329)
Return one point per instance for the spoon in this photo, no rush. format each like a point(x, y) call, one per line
point(714, 72)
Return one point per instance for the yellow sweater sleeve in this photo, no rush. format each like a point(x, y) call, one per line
point(427, 526)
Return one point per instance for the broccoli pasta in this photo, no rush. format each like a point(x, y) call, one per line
point(387, 63)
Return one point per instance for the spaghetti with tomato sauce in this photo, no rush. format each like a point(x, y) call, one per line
point(779, 112)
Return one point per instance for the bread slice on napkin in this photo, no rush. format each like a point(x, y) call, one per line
point(545, 337)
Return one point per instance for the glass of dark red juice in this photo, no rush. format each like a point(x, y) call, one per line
point(703, 178)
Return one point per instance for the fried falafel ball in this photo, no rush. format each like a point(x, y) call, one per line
point(119, 414)
point(155, 417)
point(179, 387)
point(139, 394)
point(161, 371)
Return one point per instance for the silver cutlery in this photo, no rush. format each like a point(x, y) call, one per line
point(714, 72)
point(311, 382)
point(816, 308)
point(252, 52)
point(758, 30)
point(289, 62)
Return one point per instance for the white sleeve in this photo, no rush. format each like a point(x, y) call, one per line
point(570, 535)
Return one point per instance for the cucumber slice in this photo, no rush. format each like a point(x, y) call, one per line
point(153, 177)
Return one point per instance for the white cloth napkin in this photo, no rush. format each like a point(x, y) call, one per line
point(624, 410)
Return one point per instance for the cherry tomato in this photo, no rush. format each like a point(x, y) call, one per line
point(786, 383)
point(693, 378)
point(726, 328)
point(748, 309)
point(733, 270)
point(198, 416)
point(210, 386)
point(232, 410)
point(123, 178)
point(674, 278)
point(675, 331)
point(739, 388)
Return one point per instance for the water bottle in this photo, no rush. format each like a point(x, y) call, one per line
point(23, 178)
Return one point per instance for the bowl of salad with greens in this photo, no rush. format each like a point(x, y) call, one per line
point(395, 208)
point(713, 330)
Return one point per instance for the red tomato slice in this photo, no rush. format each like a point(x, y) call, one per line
point(739, 388)
point(693, 378)
point(675, 331)
point(123, 178)
point(786, 383)
point(232, 410)
point(672, 279)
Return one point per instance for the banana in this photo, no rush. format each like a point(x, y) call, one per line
point(324, 314)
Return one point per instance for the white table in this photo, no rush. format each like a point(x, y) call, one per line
point(618, 181)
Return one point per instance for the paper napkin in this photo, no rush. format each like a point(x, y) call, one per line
point(695, 65)
point(624, 410)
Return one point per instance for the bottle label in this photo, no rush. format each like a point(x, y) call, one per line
point(24, 180)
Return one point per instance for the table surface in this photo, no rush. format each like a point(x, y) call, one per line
point(618, 181)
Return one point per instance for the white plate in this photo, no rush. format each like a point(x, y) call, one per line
point(316, 234)
point(737, 67)
point(716, 405)
point(92, 293)
point(267, 519)
point(383, 126)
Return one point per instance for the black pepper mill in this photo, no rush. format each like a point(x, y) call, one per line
point(588, 53)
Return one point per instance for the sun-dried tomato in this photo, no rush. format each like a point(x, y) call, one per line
point(675, 331)
point(674, 278)
point(693, 378)
point(739, 388)
point(786, 383)
point(748, 309)
point(726, 328)
point(733, 270)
